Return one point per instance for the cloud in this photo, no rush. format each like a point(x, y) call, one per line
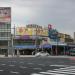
point(60, 13)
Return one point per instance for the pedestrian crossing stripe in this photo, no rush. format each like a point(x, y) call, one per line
point(59, 65)
point(61, 71)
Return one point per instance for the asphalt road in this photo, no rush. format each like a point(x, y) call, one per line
point(37, 66)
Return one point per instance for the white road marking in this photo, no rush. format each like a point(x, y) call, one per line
point(68, 70)
point(11, 65)
point(14, 72)
point(1, 70)
point(30, 63)
point(59, 74)
point(22, 67)
point(46, 73)
point(41, 64)
point(3, 64)
point(61, 68)
point(36, 74)
point(37, 68)
point(59, 65)
point(60, 71)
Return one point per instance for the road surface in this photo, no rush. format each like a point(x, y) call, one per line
point(37, 66)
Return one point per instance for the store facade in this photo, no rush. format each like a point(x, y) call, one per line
point(5, 30)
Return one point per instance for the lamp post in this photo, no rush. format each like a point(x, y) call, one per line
point(12, 40)
point(12, 45)
point(56, 46)
point(57, 43)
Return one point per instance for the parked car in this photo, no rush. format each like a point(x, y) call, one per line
point(42, 53)
point(71, 52)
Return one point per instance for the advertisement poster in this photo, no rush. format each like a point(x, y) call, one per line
point(23, 31)
point(5, 14)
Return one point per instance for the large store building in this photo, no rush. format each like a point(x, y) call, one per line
point(33, 37)
point(5, 30)
point(29, 38)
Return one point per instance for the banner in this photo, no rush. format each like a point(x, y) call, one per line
point(23, 31)
point(5, 14)
point(31, 31)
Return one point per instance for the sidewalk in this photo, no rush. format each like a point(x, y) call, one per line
point(10, 56)
point(51, 56)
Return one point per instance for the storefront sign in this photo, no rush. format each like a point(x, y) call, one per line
point(5, 14)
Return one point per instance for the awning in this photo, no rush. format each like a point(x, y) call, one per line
point(25, 47)
point(46, 46)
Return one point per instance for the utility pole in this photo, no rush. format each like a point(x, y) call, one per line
point(56, 46)
point(13, 37)
point(57, 43)
point(12, 40)
point(36, 40)
point(14, 43)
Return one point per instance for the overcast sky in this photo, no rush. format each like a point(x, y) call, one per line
point(59, 13)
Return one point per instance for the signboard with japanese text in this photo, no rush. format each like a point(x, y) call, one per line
point(31, 31)
point(23, 31)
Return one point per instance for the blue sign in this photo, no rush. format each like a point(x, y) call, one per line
point(46, 46)
point(53, 34)
point(25, 46)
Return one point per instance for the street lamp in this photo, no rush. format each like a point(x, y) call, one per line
point(12, 40)
point(56, 46)
point(57, 37)
point(57, 42)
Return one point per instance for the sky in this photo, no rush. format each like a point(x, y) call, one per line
point(59, 13)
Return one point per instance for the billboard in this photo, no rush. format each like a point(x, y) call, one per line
point(5, 14)
point(40, 32)
point(23, 31)
point(37, 31)
point(31, 31)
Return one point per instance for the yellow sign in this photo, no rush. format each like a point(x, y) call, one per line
point(31, 31)
point(23, 31)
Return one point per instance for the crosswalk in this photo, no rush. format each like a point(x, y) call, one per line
point(70, 70)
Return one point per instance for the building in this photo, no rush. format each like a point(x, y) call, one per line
point(27, 39)
point(32, 37)
point(5, 30)
point(74, 37)
point(65, 37)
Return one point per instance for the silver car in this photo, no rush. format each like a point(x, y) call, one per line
point(42, 53)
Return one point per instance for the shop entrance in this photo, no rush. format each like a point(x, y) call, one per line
point(24, 52)
point(4, 52)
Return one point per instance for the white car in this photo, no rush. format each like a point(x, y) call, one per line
point(42, 54)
